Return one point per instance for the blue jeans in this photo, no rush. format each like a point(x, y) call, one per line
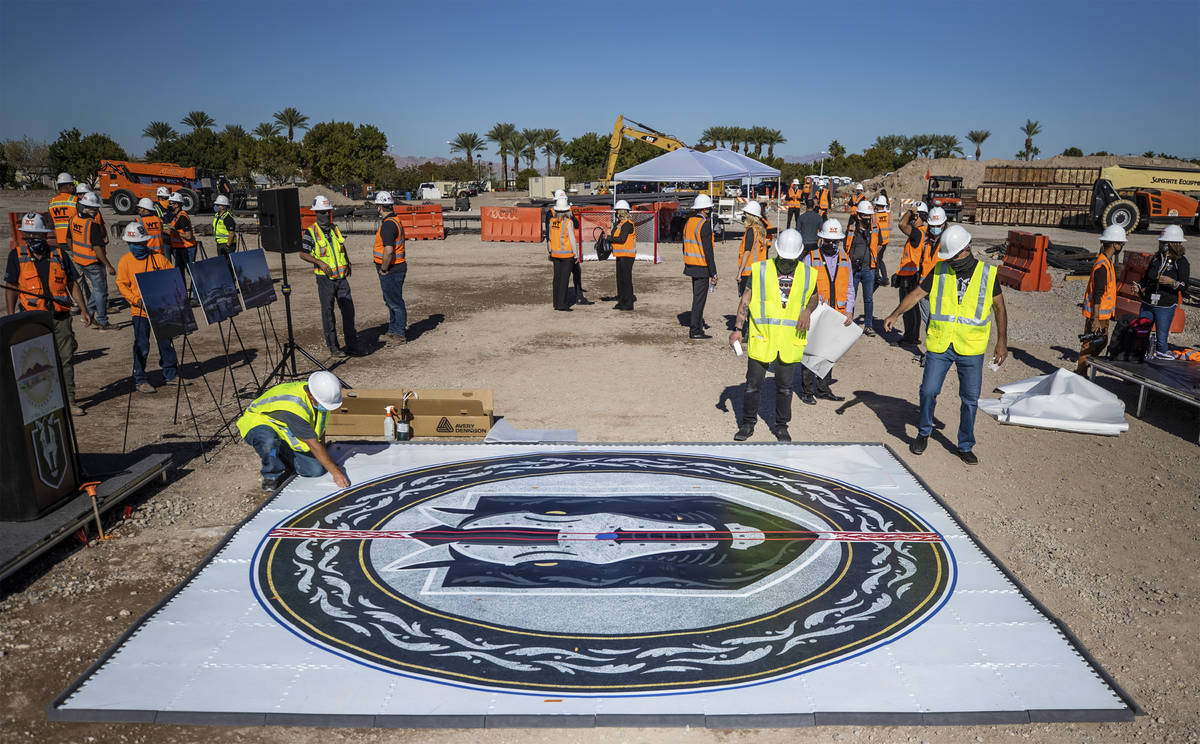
point(866, 280)
point(1162, 317)
point(970, 380)
point(278, 458)
point(141, 350)
point(97, 279)
point(181, 258)
point(392, 286)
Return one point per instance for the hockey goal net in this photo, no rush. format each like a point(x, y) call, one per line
point(594, 222)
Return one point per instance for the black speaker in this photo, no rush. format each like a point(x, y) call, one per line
point(279, 219)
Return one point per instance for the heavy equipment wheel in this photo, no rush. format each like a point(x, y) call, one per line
point(123, 202)
point(191, 200)
point(1122, 213)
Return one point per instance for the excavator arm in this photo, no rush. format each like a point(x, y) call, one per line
point(639, 131)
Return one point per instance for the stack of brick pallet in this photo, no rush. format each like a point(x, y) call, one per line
point(1013, 195)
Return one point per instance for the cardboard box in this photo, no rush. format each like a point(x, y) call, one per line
point(459, 414)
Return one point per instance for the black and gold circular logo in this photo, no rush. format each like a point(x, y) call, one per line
point(602, 573)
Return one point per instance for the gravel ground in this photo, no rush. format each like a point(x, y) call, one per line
point(1099, 529)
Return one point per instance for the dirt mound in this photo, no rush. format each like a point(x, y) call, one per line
point(308, 193)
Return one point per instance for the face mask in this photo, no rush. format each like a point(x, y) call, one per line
point(960, 264)
point(139, 250)
point(829, 248)
point(325, 218)
point(785, 265)
point(38, 245)
point(935, 231)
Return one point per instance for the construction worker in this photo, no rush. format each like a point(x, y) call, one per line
point(853, 200)
point(286, 427)
point(862, 246)
point(86, 236)
point(561, 247)
point(778, 330)
point(809, 225)
point(148, 219)
point(1167, 274)
point(62, 207)
point(624, 249)
point(1100, 300)
point(82, 189)
point(795, 200)
point(923, 230)
point(807, 192)
point(40, 276)
point(139, 260)
point(965, 295)
point(883, 220)
point(823, 198)
point(325, 249)
point(391, 264)
point(224, 226)
point(699, 263)
point(181, 237)
point(162, 203)
point(754, 245)
point(834, 287)
point(577, 266)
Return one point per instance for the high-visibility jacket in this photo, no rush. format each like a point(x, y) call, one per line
point(154, 228)
point(693, 247)
point(795, 197)
point(966, 323)
point(1108, 300)
point(853, 200)
point(289, 397)
point(397, 250)
point(883, 223)
point(220, 232)
point(872, 249)
point(560, 237)
point(62, 209)
point(823, 200)
point(1187, 355)
point(161, 207)
point(80, 235)
point(627, 248)
point(749, 254)
point(29, 280)
point(807, 190)
point(177, 239)
point(127, 270)
point(840, 291)
point(772, 329)
point(921, 258)
point(329, 250)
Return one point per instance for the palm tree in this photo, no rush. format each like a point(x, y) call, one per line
point(892, 143)
point(291, 120)
point(516, 145)
point(469, 143)
point(266, 130)
point(236, 131)
point(774, 137)
point(556, 148)
point(759, 136)
point(159, 131)
point(548, 136)
point(977, 138)
point(530, 152)
point(1030, 130)
point(946, 146)
point(533, 140)
point(708, 136)
point(198, 120)
point(501, 134)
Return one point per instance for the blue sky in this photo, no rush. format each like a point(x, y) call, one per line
point(1097, 74)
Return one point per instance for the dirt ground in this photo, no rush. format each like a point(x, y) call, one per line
point(1102, 530)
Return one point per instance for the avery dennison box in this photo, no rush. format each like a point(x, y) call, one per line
point(460, 414)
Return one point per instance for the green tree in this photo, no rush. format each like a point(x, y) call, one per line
point(501, 136)
point(524, 176)
point(276, 158)
point(544, 141)
point(198, 120)
point(6, 171)
point(773, 137)
point(80, 156)
point(556, 147)
point(291, 120)
point(946, 146)
point(468, 143)
point(836, 150)
point(159, 131)
point(267, 129)
point(586, 156)
point(1030, 130)
point(199, 148)
point(29, 160)
point(977, 138)
point(1074, 152)
point(708, 137)
point(337, 152)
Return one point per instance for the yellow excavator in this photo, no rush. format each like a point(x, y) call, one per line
point(621, 130)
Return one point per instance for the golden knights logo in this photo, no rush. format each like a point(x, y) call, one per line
point(593, 573)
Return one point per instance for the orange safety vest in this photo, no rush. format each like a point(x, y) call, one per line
point(841, 280)
point(153, 226)
point(30, 281)
point(883, 223)
point(807, 191)
point(754, 253)
point(1187, 355)
point(560, 239)
point(823, 199)
point(62, 209)
point(397, 249)
point(80, 233)
point(872, 249)
point(1108, 300)
point(929, 257)
point(794, 197)
point(693, 248)
point(627, 249)
point(177, 240)
point(853, 200)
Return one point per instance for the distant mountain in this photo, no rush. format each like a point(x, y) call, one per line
point(406, 161)
point(812, 158)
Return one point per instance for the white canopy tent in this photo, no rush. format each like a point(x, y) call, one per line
point(684, 164)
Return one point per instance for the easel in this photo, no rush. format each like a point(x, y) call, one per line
point(180, 388)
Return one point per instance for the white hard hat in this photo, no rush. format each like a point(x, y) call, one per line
point(753, 208)
point(176, 198)
point(82, 188)
point(146, 203)
point(831, 230)
point(560, 194)
point(89, 200)
point(221, 201)
point(321, 204)
point(162, 192)
point(954, 240)
point(326, 389)
point(561, 204)
point(134, 232)
point(806, 178)
point(703, 201)
point(795, 181)
point(384, 198)
point(33, 222)
point(63, 177)
point(921, 207)
point(622, 205)
point(858, 187)
point(881, 201)
point(864, 207)
point(1171, 234)
point(937, 216)
point(1113, 234)
point(789, 244)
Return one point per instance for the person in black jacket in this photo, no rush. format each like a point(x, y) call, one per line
point(1161, 285)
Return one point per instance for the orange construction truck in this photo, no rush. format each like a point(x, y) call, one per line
point(122, 183)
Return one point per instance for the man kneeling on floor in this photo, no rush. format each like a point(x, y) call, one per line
point(286, 427)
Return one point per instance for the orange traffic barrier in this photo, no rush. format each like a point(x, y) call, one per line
point(511, 224)
point(307, 218)
point(422, 222)
point(1129, 302)
point(1025, 266)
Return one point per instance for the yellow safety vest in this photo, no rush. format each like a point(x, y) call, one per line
point(330, 251)
point(966, 323)
point(773, 330)
point(220, 232)
point(289, 397)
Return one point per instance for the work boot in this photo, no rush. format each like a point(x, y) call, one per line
point(781, 433)
point(77, 410)
point(145, 387)
point(917, 446)
point(830, 395)
point(968, 457)
point(702, 334)
point(868, 331)
point(337, 353)
point(808, 399)
point(744, 432)
point(583, 301)
point(270, 484)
